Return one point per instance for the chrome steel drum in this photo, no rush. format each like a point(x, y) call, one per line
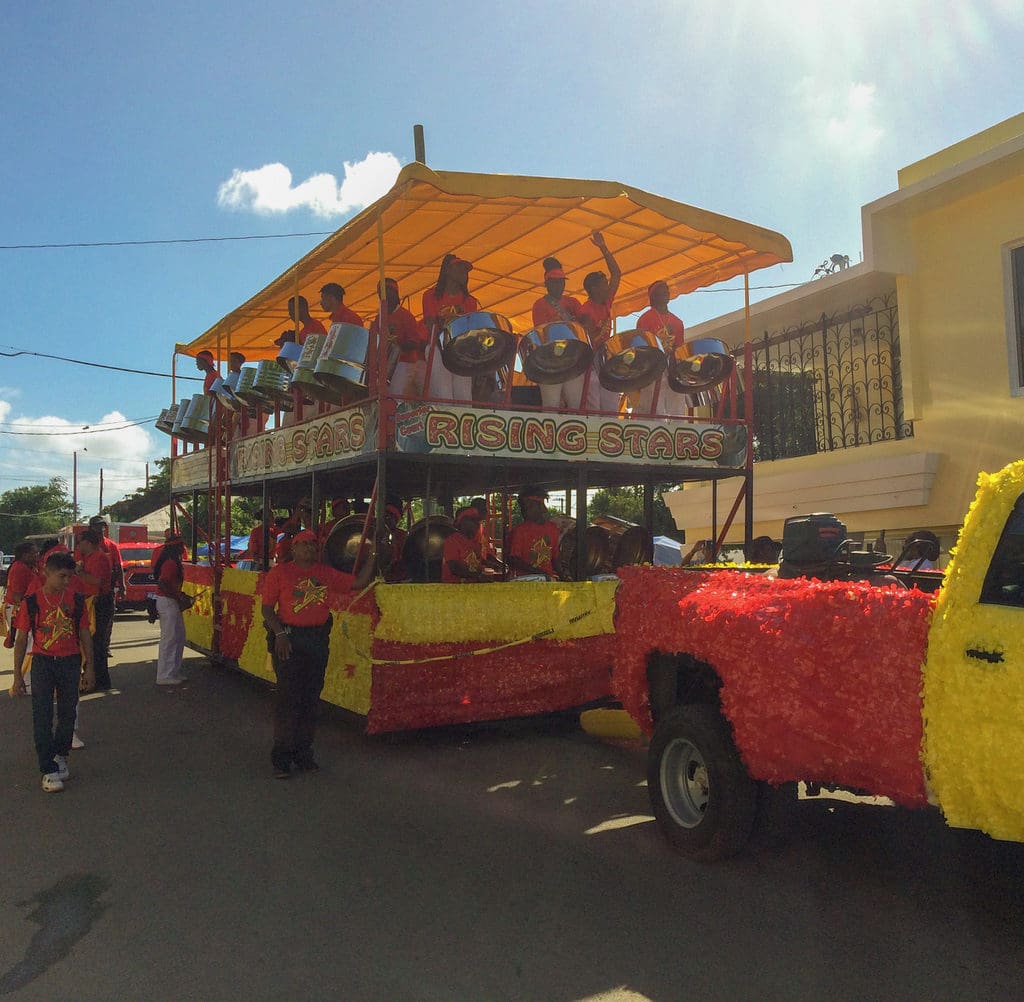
point(553, 353)
point(705, 364)
point(477, 343)
point(180, 415)
point(303, 376)
point(342, 546)
point(195, 426)
point(225, 397)
point(165, 422)
point(271, 384)
point(630, 360)
point(289, 355)
point(597, 553)
point(344, 358)
point(245, 388)
point(630, 543)
point(423, 553)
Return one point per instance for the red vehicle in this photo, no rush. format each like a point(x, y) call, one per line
point(138, 575)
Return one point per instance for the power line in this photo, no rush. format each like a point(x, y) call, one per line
point(157, 243)
point(84, 431)
point(94, 365)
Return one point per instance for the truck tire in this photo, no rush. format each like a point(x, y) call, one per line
point(702, 796)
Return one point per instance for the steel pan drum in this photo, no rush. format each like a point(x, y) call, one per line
point(597, 552)
point(271, 384)
point(630, 543)
point(630, 360)
point(195, 426)
point(289, 355)
point(477, 343)
point(553, 353)
point(423, 553)
point(342, 546)
point(225, 397)
point(165, 422)
point(707, 363)
point(179, 415)
point(303, 377)
point(245, 388)
point(343, 361)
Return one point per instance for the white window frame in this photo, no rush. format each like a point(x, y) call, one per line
point(1013, 284)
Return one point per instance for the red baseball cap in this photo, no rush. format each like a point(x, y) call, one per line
point(463, 513)
point(554, 273)
point(306, 536)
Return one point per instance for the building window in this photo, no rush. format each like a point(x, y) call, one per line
point(1015, 319)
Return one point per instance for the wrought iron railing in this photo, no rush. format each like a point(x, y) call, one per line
point(832, 383)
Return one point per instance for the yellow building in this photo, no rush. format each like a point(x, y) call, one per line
point(884, 388)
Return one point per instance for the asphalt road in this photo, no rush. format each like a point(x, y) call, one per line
point(508, 861)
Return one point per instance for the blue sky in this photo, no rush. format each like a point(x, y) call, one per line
point(122, 122)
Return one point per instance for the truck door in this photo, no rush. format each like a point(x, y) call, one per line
point(974, 673)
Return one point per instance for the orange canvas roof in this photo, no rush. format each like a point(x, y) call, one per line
point(505, 225)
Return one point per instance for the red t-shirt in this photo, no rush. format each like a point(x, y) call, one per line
point(113, 551)
point(536, 544)
point(96, 565)
point(21, 579)
point(666, 327)
point(170, 575)
point(313, 326)
point(597, 318)
point(343, 315)
point(211, 378)
point(55, 633)
point(438, 310)
point(403, 326)
point(457, 547)
point(566, 309)
point(302, 595)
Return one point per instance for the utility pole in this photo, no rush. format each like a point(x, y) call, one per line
point(147, 476)
point(74, 488)
point(101, 490)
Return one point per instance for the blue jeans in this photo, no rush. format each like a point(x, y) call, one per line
point(50, 675)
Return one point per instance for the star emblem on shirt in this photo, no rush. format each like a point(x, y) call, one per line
point(541, 551)
point(308, 592)
point(57, 626)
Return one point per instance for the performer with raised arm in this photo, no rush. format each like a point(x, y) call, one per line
point(596, 317)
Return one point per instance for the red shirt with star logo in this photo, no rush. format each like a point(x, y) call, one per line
point(303, 595)
point(597, 319)
point(55, 634)
point(536, 544)
point(566, 309)
point(457, 547)
point(438, 310)
point(666, 327)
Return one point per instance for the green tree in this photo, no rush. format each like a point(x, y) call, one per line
point(145, 499)
point(27, 511)
point(628, 503)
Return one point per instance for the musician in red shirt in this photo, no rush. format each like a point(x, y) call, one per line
point(533, 544)
point(407, 342)
point(668, 329)
point(22, 577)
point(94, 576)
point(307, 324)
point(596, 317)
point(332, 298)
point(296, 602)
point(55, 616)
point(448, 299)
point(205, 364)
point(556, 307)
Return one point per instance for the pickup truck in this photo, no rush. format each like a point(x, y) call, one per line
point(743, 680)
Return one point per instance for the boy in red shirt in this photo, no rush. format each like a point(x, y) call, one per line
point(409, 336)
point(22, 577)
point(332, 298)
point(463, 559)
point(297, 598)
point(55, 616)
point(533, 544)
point(668, 329)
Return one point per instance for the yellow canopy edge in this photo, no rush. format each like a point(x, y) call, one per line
point(505, 225)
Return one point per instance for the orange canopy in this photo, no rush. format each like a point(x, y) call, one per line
point(505, 226)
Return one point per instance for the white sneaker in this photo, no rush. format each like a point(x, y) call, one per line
point(76, 741)
point(52, 783)
point(62, 766)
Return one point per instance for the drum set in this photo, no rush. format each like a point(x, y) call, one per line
point(334, 368)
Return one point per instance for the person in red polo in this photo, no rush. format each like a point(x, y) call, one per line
point(406, 334)
point(94, 576)
point(668, 329)
point(23, 576)
point(533, 544)
point(448, 299)
point(596, 317)
point(296, 602)
point(556, 307)
point(206, 365)
point(307, 323)
point(113, 551)
point(462, 557)
point(332, 301)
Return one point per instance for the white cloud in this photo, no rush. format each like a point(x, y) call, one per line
point(841, 115)
point(268, 190)
point(27, 459)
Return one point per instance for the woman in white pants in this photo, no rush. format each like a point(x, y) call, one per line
point(169, 602)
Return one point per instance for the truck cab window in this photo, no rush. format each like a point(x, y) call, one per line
point(1004, 583)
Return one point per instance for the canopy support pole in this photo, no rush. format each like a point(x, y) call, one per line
point(748, 413)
